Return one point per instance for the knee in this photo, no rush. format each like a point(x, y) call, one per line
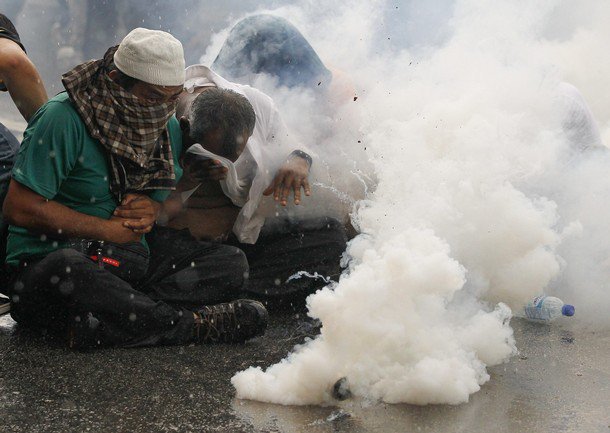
point(239, 270)
point(229, 266)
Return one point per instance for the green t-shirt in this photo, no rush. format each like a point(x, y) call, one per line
point(59, 160)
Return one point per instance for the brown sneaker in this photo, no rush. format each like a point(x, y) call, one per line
point(232, 322)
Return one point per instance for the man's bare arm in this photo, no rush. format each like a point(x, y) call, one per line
point(25, 208)
point(21, 79)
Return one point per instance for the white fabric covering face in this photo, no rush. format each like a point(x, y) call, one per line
point(234, 188)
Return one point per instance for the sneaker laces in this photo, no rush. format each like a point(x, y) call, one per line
point(219, 323)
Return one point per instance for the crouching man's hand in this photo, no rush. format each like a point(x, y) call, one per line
point(291, 176)
point(139, 212)
point(198, 168)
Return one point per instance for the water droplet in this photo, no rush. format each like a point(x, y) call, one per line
point(54, 279)
point(43, 238)
point(132, 317)
point(15, 298)
point(277, 281)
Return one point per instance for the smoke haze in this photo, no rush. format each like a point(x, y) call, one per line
point(475, 179)
point(490, 189)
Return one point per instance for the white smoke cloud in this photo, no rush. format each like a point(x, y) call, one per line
point(481, 200)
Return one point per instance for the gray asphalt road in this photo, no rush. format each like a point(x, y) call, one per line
point(559, 383)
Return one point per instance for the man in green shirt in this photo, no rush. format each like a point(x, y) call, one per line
point(94, 167)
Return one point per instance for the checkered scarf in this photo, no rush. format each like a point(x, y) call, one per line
point(132, 131)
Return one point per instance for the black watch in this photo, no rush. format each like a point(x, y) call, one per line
point(303, 155)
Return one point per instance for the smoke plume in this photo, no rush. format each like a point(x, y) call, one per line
point(489, 188)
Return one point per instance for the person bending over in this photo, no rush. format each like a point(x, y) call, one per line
point(271, 46)
point(95, 165)
point(237, 150)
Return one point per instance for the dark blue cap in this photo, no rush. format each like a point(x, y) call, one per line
point(567, 310)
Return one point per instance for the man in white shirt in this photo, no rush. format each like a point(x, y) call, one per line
point(230, 165)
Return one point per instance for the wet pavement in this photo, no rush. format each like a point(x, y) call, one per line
point(560, 382)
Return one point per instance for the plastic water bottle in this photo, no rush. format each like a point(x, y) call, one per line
point(546, 309)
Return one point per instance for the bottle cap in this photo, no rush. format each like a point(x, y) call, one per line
point(567, 310)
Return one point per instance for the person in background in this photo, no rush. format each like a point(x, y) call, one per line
point(95, 165)
point(577, 120)
point(270, 45)
point(19, 77)
point(237, 150)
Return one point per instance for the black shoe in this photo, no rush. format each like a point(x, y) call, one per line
point(232, 322)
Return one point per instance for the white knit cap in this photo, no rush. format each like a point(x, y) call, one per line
point(152, 56)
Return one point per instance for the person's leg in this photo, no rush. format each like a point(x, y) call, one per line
point(191, 273)
point(66, 292)
point(283, 250)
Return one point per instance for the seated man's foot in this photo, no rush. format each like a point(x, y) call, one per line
point(232, 322)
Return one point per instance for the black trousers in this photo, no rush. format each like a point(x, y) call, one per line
point(293, 258)
point(68, 293)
